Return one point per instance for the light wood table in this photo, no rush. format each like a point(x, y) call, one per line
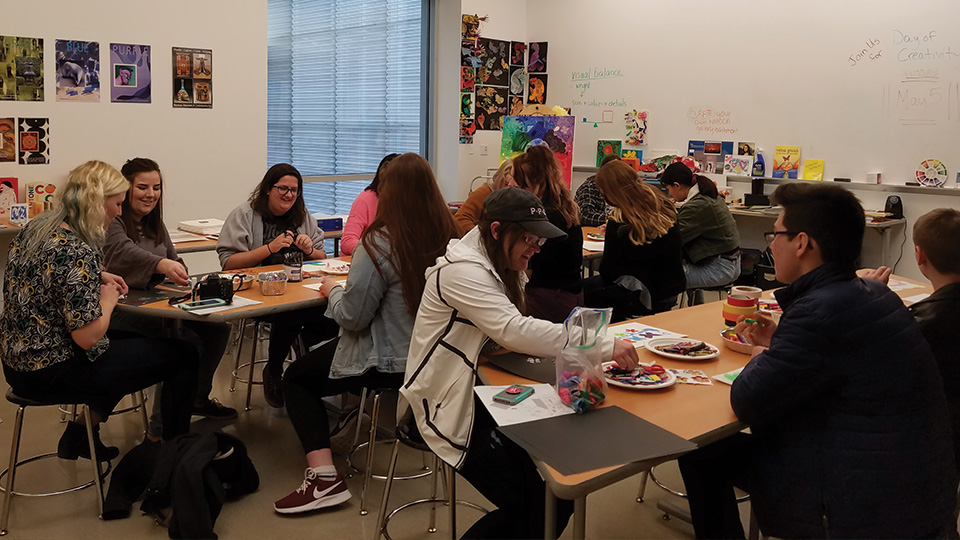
point(202, 243)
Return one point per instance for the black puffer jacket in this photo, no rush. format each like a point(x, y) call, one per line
point(849, 416)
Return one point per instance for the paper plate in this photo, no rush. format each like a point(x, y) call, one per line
point(932, 172)
point(643, 382)
point(336, 268)
point(652, 345)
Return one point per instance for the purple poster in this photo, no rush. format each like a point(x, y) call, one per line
point(129, 73)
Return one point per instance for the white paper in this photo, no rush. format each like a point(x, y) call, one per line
point(591, 245)
point(181, 236)
point(898, 285)
point(238, 301)
point(915, 298)
point(544, 403)
point(638, 334)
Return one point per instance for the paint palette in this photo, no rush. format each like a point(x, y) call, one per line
point(642, 378)
point(932, 173)
point(682, 348)
point(337, 268)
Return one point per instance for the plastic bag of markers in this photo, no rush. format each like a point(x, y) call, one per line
point(580, 381)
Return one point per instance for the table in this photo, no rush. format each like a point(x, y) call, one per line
point(700, 414)
point(881, 227)
point(205, 244)
point(590, 256)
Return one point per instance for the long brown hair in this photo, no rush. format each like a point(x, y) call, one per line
point(297, 213)
point(498, 251)
point(538, 171)
point(413, 216)
point(647, 211)
point(152, 223)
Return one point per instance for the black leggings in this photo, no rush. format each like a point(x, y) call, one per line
point(127, 366)
point(286, 326)
point(307, 381)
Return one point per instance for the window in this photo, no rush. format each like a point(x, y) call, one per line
point(344, 88)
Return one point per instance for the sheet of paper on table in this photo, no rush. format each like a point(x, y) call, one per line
point(238, 302)
point(898, 285)
point(182, 236)
point(638, 334)
point(729, 376)
point(591, 245)
point(910, 300)
point(544, 403)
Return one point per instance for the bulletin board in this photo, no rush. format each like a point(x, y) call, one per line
point(865, 86)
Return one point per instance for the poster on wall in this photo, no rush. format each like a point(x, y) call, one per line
point(78, 70)
point(468, 78)
point(518, 80)
point(516, 106)
point(518, 53)
point(34, 136)
point(491, 107)
point(466, 105)
point(192, 78)
point(21, 68)
point(130, 73)
point(537, 89)
point(538, 57)
point(606, 147)
point(8, 194)
point(494, 68)
point(467, 128)
point(554, 132)
point(470, 26)
point(636, 124)
point(8, 139)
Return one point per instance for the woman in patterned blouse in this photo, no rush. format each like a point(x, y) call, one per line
point(58, 303)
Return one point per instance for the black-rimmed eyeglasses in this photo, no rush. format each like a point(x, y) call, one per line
point(284, 190)
point(772, 235)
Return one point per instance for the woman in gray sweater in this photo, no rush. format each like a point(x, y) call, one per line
point(138, 249)
point(375, 312)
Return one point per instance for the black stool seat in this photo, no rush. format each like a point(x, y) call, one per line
point(27, 402)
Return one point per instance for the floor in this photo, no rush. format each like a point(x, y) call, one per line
point(612, 513)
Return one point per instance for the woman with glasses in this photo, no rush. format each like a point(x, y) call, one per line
point(261, 232)
point(474, 294)
point(556, 282)
point(711, 241)
point(641, 271)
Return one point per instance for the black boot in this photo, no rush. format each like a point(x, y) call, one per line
point(73, 444)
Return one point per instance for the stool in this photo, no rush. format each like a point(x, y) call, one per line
point(98, 475)
point(721, 290)
point(139, 403)
point(370, 443)
point(444, 470)
point(298, 350)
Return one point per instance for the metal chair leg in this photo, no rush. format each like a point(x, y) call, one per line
point(253, 362)
point(451, 498)
point(236, 364)
point(385, 499)
point(373, 439)
point(643, 486)
point(95, 462)
point(143, 411)
point(12, 470)
point(356, 430)
point(434, 492)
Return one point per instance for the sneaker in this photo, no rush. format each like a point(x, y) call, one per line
point(215, 410)
point(73, 444)
point(315, 492)
point(272, 388)
point(346, 419)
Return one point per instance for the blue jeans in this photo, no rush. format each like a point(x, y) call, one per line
point(711, 272)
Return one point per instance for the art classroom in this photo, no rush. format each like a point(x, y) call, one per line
point(855, 98)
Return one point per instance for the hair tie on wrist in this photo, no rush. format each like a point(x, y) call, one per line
point(268, 249)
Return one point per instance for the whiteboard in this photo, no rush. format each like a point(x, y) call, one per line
point(867, 86)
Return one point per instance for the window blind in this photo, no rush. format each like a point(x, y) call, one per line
point(343, 89)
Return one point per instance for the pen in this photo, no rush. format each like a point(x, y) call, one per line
point(753, 321)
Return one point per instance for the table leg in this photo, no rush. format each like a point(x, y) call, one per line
point(580, 518)
point(336, 247)
point(549, 515)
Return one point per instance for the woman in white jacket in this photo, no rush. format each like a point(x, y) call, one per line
point(475, 293)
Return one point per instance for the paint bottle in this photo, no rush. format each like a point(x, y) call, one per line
point(758, 166)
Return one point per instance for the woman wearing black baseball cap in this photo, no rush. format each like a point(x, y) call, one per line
point(475, 293)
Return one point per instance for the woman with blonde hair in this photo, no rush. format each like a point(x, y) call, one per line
point(641, 271)
point(469, 214)
point(556, 283)
point(57, 308)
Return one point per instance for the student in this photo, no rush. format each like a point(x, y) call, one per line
point(711, 242)
point(375, 311)
point(936, 237)
point(138, 249)
point(469, 214)
point(272, 223)
point(642, 242)
point(556, 279)
point(362, 211)
point(57, 308)
point(845, 405)
point(593, 208)
point(475, 293)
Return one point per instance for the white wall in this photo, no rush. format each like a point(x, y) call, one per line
point(210, 158)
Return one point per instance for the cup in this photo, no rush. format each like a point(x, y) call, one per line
point(747, 292)
point(294, 271)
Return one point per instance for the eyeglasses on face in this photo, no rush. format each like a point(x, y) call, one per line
point(284, 190)
point(772, 235)
point(534, 240)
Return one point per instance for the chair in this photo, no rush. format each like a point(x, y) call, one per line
point(10, 472)
point(721, 290)
point(370, 444)
point(258, 336)
point(408, 435)
point(138, 404)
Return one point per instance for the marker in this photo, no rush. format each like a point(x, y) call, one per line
point(752, 321)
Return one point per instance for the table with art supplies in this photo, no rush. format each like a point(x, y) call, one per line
point(683, 390)
point(187, 242)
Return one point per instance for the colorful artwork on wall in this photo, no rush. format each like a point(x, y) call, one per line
point(494, 69)
point(607, 148)
point(518, 53)
point(467, 128)
point(636, 124)
point(130, 73)
point(21, 68)
point(466, 105)
point(468, 78)
point(192, 78)
point(34, 136)
point(469, 54)
point(537, 89)
point(516, 105)
point(470, 26)
point(518, 80)
point(78, 70)
point(555, 132)
point(8, 139)
point(538, 57)
point(491, 107)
